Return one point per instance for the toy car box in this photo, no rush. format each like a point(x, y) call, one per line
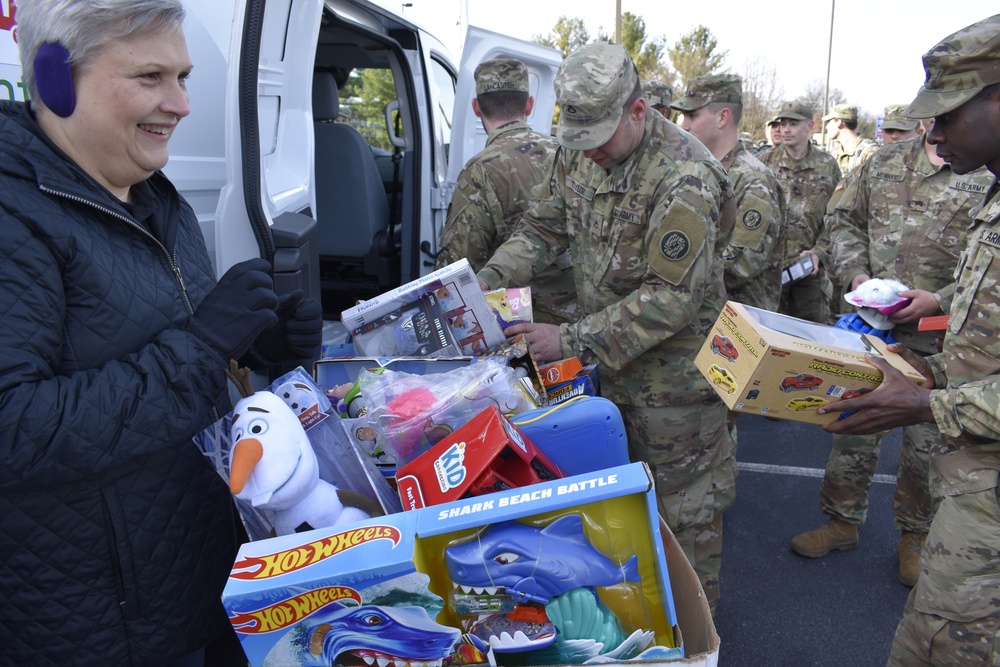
point(764, 363)
point(580, 436)
point(405, 588)
point(487, 454)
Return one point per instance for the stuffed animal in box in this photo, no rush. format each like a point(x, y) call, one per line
point(273, 467)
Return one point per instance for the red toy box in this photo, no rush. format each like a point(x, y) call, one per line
point(485, 455)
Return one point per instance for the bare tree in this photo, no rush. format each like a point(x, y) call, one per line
point(813, 97)
point(762, 95)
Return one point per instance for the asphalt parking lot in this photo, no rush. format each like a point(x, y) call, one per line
point(778, 608)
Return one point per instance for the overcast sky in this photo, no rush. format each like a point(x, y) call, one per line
point(877, 44)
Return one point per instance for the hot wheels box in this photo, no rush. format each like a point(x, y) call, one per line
point(765, 363)
point(562, 572)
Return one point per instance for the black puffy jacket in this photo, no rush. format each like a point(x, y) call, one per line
point(116, 536)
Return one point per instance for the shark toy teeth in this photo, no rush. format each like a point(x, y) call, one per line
point(534, 564)
point(525, 629)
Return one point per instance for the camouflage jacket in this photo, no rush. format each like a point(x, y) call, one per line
point(969, 366)
point(851, 155)
point(808, 184)
point(493, 192)
point(901, 217)
point(648, 268)
point(754, 256)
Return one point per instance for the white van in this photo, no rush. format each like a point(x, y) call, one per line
point(343, 211)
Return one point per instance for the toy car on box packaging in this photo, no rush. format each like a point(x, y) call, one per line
point(487, 454)
point(414, 587)
point(784, 367)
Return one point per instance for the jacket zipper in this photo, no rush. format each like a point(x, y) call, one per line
point(139, 228)
point(136, 226)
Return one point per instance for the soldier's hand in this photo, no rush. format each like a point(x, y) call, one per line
point(543, 339)
point(923, 304)
point(859, 280)
point(815, 260)
point(896, 402)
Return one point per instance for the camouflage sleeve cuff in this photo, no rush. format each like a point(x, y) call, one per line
point(490, 277)
point(969, 409)
point(945, 415)
point(566, 342)
point(938, 368)
point(944, 297)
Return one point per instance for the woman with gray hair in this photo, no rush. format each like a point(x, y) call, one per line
point(116, 536)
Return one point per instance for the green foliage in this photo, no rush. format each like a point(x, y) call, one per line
point(695, 54)
point(366, 92)
point(567, 35)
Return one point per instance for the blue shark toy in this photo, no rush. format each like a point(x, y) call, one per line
point(555, 566)
point(535, 564)
point(371, 634)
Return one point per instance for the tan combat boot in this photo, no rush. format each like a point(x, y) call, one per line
point(834, 534)
point(910, 546)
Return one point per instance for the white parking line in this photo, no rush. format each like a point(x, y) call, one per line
point(802, 472)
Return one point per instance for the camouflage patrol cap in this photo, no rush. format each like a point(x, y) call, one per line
point(592, 86)
point(501, 75)
point(958, 68)
point(842, 112)
point(657, 93)
point(721, 88)
point(895, 119)
point(794, 111)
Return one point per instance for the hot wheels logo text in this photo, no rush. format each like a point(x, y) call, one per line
point(283, 562)
point(291, 611)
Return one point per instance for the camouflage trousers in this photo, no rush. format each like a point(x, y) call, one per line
point(689, 450)
point(849, 471)
point(952, 617)
point(808, 298)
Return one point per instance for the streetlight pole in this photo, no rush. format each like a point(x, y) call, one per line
point(829, 58)
point(618, 21)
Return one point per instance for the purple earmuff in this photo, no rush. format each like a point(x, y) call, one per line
point(54, 79)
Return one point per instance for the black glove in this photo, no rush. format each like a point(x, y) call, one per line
point(298, 332)
point(237, 309)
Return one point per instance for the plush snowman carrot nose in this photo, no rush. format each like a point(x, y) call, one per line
point(273, 467)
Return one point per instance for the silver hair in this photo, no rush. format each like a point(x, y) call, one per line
point(85, 26)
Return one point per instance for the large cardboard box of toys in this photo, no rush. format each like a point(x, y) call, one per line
point(561, 572)
point(764, 363)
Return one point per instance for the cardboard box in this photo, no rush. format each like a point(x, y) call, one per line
point(486, 455)
point(764, 363)
point(289, 597)
point(585, 383)
point(561, 371)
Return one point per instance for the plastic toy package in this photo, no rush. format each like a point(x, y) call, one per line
point(510, 305)
point(411, 413)
point(565, 587)
point(306, 471)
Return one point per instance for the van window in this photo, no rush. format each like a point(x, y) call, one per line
point(444, 83)
point(364, 96)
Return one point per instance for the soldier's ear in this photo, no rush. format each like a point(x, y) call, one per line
point(54, 79)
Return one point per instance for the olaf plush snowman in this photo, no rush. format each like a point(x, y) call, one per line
point(273, 467)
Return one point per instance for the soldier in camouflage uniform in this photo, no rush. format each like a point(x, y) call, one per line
point(903, 216)
point(952, 616)
point(495, 187)
point(808, 177)
point(646, 211)
point(658, 95)
point(712, 107)
point(850, 150)
point(896, 126)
